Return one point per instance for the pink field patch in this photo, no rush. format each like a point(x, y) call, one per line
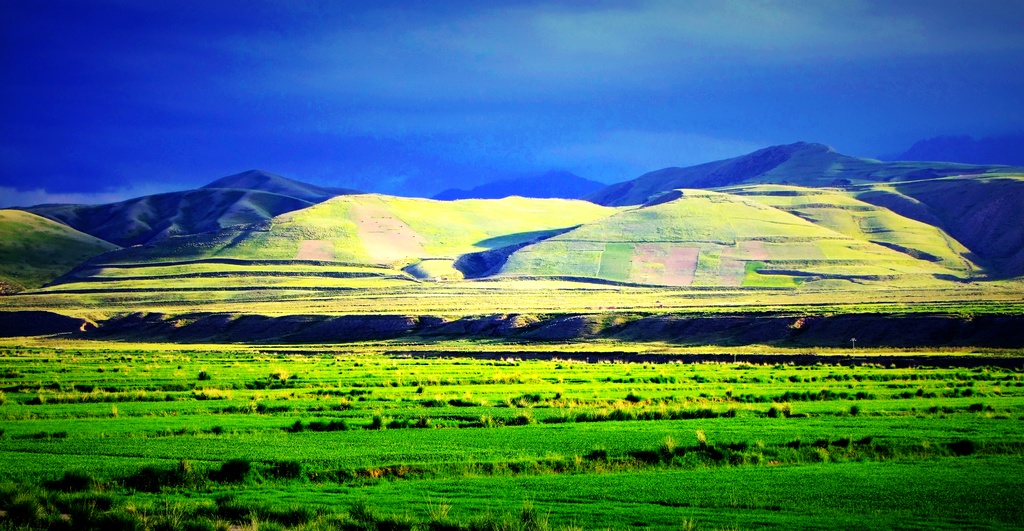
point(754, 250)
point(747, 250)
point(732, 272)
point(315, 250)
point(664, 264)
point(681, 266)
point(385, 237)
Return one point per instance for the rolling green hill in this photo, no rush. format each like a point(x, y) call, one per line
point(843, 213)
point(349, 242)
point(802, 164)
point(379, 230)
point(246, 198)
point(699, 237)
point(35, 250)
point(759, 236)
point(926, 239)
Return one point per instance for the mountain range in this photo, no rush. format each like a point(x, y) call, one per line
point(801, 164)
point(799, 216)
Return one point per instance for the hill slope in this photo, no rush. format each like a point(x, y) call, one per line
point(245, 198)
point(982, 213)
point(35, 250)
point(802, 164)
point(698, 237)
point(355, 241)
point(842, 212)
point(560, 185)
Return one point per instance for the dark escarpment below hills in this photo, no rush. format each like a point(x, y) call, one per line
point(871, 330)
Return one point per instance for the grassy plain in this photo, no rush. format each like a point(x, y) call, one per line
point(350, 437)
point(278, 295)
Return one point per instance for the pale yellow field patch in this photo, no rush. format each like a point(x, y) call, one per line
point(386, 237)
point(666, 265)
point(315, 250)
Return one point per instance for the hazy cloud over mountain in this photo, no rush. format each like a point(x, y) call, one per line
point(415, 97)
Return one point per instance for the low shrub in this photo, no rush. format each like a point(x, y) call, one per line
point(286, 469)
point(962, 447)
point(72, 481)
point(233, 471)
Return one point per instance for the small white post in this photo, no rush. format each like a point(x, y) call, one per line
point(853, 344)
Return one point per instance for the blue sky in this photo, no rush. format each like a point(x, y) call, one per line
point(109, 99)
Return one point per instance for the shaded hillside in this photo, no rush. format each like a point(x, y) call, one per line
point(704, 238)
point(560, 185)
point(802, 164)
point(35, 250)
point(245, 198)
point(983, 214)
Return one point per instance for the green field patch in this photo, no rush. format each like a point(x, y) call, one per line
point(754, 278)
point(616, 261)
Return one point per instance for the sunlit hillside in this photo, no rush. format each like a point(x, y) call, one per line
point(35, 250)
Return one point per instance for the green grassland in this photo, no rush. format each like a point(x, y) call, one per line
point(35, 250)
point(97, 435)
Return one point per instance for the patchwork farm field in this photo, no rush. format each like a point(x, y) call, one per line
point(389, 436)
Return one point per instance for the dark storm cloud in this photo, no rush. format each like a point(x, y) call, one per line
point(412, 97)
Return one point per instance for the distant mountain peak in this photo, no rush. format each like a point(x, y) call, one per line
point(265, 181)
point(252, 179)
